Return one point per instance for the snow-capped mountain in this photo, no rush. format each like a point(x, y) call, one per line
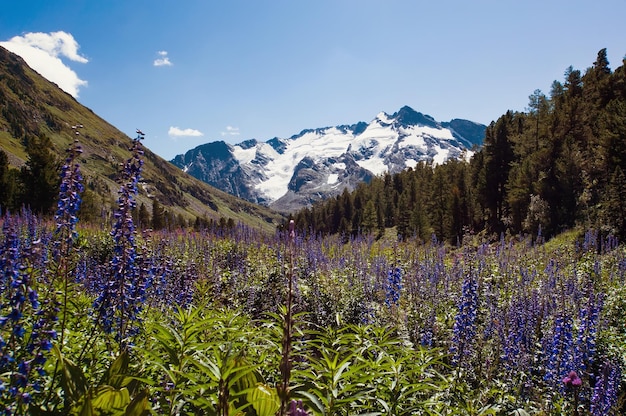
point(288, 174)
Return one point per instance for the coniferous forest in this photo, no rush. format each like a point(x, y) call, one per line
point(558, 165)
point(500, 291)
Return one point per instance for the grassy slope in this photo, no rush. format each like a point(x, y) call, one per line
point(30, 105)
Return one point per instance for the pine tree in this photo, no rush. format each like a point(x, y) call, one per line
point(158, 215)
point(4, 180)
point(90, 207)
point(40, 175)
point(439, 203)
point(614, 205)
point(498, 154)
point(143, 216)
point(403, 216)
point(370, 221)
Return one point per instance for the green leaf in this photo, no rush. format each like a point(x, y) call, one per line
point(314, 400)
point(340, 371)
point(87, 408)
point(109, 398)
point(73, 381)
point(139, 406)
point(264, 400)
point(209, 368)
point(114, 376)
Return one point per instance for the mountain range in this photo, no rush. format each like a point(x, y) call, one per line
point(287, 174)
point(251, 182)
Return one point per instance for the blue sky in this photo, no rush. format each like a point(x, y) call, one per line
point(194, 71)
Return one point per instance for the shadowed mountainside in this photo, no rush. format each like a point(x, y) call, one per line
point(31, 106)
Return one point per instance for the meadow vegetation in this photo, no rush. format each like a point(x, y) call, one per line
point(128, 321)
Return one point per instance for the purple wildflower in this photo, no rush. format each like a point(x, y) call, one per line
point(25, 327)
point(519, 335)
point(572, 379)
point(464, 330)
point(66, 218)
point(587, 332)
point(560, 354)
point(393, 287)
point(69, 202)
point(606, 390)
point(123, 292)
point(296, 408)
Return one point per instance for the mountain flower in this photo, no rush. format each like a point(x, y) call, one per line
point(25, 327)
point(605, 392)
point(123, 291)
point(572, 379)
point(393, 287)
point(296, 408)
point(69, 199)
point(464, 329)
point(559, 353)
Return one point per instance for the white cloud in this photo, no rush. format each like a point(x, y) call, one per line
point(231, 131)
point(177, 132)
point(163, 60)
point(43, 53)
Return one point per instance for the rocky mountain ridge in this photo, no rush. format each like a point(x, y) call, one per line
point(291, 173)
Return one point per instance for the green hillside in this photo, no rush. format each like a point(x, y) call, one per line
point(32, 107)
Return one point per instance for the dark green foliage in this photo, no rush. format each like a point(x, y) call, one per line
point(91, 207)
point(613, 208)
point(498, 152)
point(40, 176)
point(36, 184)
point(143, 216)
point(560, 164)
point(158, 215)
point(8, 184)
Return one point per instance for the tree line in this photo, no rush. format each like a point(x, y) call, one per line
point(559, 164)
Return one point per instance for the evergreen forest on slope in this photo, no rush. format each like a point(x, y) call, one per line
point(559, 164)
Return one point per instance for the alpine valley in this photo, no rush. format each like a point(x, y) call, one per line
point(31, 107)
point(292, 173)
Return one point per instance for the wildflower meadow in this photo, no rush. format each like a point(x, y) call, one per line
point(116, 320)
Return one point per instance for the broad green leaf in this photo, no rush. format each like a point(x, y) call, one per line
point(109, 398)
point(87, 408)
point(115, 375)
point(314, 400)
point(340, 371)
point(139, 406)
point(73, 381)
point(264, 399)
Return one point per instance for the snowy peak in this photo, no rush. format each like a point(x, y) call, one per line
point(288, 174)
point(406, 116)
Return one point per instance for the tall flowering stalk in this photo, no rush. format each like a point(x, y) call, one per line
point(519, 338)
point(71, 188)
point(122, 294)
point(25, 328)
point(605, 392)
point(393, 288)
point(560, 352)
point(464, 330)
point(66, 218)
point(589, 316)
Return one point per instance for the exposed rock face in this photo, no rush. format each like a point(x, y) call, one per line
point(288, 174)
